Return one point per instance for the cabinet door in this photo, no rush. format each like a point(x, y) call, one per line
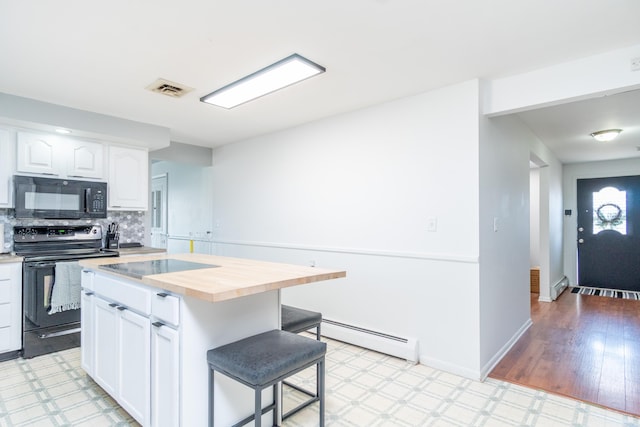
point(7, 167)
point(38, 153)
point(128, 178)
point(85, 159)
point(106, 346)
point(10, 307)
point(134, 385)
point(87, 341)
point(165, 385)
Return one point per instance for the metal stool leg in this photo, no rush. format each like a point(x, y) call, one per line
point(258, 411)
point(276, 409)
point(211, 397)
point(321, 391)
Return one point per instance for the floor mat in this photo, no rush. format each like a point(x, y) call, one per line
point(613, 293)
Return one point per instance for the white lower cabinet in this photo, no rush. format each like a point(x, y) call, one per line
point(105, 339)
point(10, 307)
point(134, 362)
point(87, 341)
point(165, 378)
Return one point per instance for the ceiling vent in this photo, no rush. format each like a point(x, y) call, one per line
point(169, 88)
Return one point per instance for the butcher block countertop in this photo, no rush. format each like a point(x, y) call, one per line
point(232, 278)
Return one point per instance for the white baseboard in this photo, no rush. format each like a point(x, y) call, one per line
point(488, 367)
point(449, 367)
point(404, 348)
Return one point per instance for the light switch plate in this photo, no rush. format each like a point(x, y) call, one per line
point(432, 224)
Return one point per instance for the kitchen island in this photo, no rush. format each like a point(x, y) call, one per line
point(148, 321)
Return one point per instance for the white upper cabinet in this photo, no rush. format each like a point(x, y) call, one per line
point(37, 154)
point(128, 178)
point(86, 159)
point(7, 167)
point(58, 156)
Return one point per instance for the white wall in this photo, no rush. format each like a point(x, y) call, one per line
point(573, 172)
point(534, 217)
point(40, 115)
point(355, 191)
point(596, 75)
point(551, 221)
point(189, 202)
point(504, 236)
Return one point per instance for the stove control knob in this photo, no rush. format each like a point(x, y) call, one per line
point(26, 232)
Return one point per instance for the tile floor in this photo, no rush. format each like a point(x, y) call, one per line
point(364, 388)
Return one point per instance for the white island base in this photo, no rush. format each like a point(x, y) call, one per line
point(159, 374)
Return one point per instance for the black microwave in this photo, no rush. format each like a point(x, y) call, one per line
point(50, 198)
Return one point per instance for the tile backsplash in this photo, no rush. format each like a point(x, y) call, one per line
point(131, 225)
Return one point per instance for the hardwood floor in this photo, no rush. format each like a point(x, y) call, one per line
point(580, 346)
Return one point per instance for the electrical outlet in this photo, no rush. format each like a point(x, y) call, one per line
point(635, 64)
point(432, 224)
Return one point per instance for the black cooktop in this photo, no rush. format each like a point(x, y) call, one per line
point(158, 266)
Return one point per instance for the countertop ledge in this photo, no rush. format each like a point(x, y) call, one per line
point(9, 258)
point(234, 278)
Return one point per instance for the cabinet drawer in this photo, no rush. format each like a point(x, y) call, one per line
point(5, 272)
point(130, 295)
point(5, 315)
point(5, 291)
point(166, 307)
point(87, 279)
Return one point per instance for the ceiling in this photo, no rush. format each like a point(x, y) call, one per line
point(100, 56)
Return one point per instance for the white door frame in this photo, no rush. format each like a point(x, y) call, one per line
point(159, 210)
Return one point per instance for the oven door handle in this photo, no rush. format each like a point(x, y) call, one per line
point(87, 200)
point(40, 264)
point(53, 284)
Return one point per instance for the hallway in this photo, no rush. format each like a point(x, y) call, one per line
point(580, 346)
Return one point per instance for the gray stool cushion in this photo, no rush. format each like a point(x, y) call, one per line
point(297, 320)
point(261, 359)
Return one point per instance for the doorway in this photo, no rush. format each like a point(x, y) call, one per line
point(609, 232)
point(159, 211)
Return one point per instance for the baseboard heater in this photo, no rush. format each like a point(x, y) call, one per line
point(404, 348)
point(559, 287)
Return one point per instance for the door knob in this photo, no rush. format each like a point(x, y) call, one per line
point(581, 229)
point(580, 240)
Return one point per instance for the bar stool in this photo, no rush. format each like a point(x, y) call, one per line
point(297, 320)
point(264, 360)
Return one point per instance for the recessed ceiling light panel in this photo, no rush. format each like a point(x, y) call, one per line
point(283, 73)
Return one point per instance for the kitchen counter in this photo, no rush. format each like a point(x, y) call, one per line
point(147, 333)
point(9, 258)
point(228, 278)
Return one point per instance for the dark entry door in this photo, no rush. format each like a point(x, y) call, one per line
point(609, 232)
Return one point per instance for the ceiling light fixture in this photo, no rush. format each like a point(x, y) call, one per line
point(606, 135)
point(287, 71)
point(63, 131)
